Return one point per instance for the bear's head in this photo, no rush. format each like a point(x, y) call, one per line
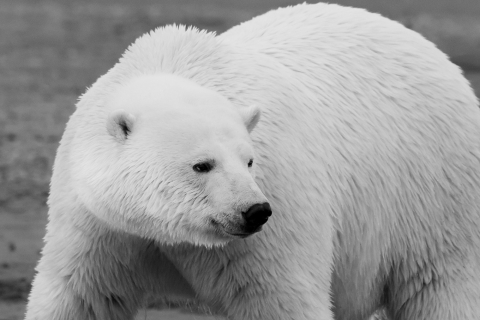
point(172, 161)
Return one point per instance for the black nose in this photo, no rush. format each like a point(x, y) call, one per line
point(257, 214)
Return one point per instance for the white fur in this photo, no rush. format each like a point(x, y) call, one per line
point(367, 150)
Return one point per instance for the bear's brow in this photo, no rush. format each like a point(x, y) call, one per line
point(203, 158)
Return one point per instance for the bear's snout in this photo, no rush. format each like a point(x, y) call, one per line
point(257, 215)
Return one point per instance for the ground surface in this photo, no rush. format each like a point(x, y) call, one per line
point(50, 51)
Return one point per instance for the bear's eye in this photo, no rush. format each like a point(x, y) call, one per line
point(203, 167)
point(250, 163)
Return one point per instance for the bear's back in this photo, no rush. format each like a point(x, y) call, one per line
point(382, 123)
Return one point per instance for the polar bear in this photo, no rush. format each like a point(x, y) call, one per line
point(316, 162)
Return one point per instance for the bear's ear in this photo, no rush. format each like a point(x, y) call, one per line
point(250, 116)
point(120, 125)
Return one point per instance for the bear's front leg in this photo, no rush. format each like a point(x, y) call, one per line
point(82, 276)
point(98, 274)
point(56, 298)
point(288, 296)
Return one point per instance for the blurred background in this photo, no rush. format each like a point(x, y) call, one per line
point(51, 50)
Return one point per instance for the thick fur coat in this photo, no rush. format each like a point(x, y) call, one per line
point(367, 149)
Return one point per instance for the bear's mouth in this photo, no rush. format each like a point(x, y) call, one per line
point(246, 234)
point(236, 231)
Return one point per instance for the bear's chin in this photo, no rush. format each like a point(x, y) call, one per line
point(211, 236)
point(203, 238)
point(212, 239)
